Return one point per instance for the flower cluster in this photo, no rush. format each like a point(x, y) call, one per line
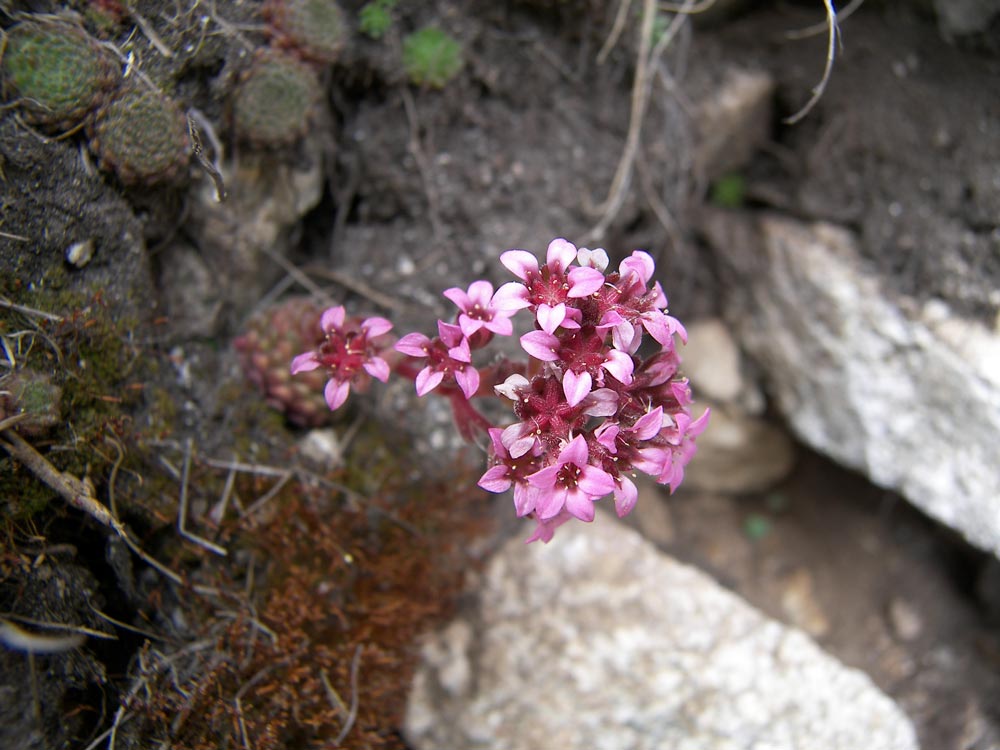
point(597, 399)
point(350, 353)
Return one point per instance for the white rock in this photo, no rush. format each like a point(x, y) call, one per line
point(911, 397)
point(597, 641)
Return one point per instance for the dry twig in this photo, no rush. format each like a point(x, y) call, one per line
point(79, 493)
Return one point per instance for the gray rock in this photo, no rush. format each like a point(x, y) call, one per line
point(245, 239)
point(733, 120)
point(712, 360)
point(961, 17)
point(598, 641)
point(739, 453)
point(909, 394)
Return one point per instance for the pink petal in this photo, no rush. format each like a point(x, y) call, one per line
point(469, 325)
point(336, 393)
point(517, 439)
point(584, 281)
point(698, 426)
point(427, 380)
point(377, 368)
point(648, 424)
point(480, 293)
point(450, 333)
point(540, 345)
point(580, 505)
point(499, 325)
point(511, 297)
point(498, 447)
point(626, 496)
point(332, 318)
point(601, 403)
point(658, 326)
point(459, 297)
point(595, 482)
point(549, 317)
point(659, 298)
point(620, 365)
point(461, 352)
point(496, 479)
point(550, 502)
point(641, 264)
point(547, 528)
point(576, 387)
point(678, 328)
point(607, 435)
point(512, 386)
point(651, 461)
point(545, 479)
point(413, 344)
point(625, 337)
point(304, 363)
point(468, 380)
point(376, 326)
point(521, 263)
point(597, 258)
point(574, 452)
point(560, 254)
point(525, 498)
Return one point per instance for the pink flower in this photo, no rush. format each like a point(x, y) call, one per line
point(481, 309)
point(509, 471)
point(348, 352)
point(553, 283)
point(448, 355)
point(546, 528)
point(570, 483)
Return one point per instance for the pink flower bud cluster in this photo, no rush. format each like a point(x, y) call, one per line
point(598, 399)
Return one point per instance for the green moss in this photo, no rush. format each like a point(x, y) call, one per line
point(431, 57)
point(375, 18)
point(729, 191)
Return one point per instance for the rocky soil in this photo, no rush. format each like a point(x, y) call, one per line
point(273, 579)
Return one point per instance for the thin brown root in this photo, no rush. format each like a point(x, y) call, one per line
point(616, 31)
point(823, 26)
point(352, 714)
point(831, 52)
point(150, 33)
point(640, 96)
point(423, 165)
point(78, 630)
point(182, 510)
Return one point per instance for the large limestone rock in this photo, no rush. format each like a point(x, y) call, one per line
point(906, 392)
point(599, 642)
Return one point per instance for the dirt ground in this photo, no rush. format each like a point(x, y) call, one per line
point(421, 189)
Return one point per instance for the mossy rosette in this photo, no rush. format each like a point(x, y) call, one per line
point(141, 136)
point(56, 73)
point(431, 57)
point(315, 29)
point(271, 339)
point(33, 397)
point(274, 100)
